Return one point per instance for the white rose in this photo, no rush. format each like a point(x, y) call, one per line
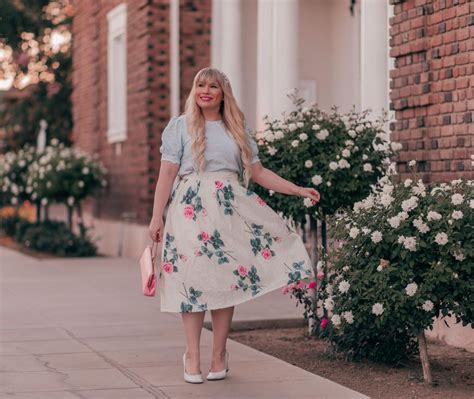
point(457, 199)
point(396, 146)
point(459, 256)
point(317, 180)
point(377, 309)
point(394, 222)
point(85, 170)
point(315, 127)
point(303, 136)
point(348, 316)
point(308, 163)
point(354, 232)
point(411, 289)
point(343, 164)
point(441, 238)
point(299, 124)
point(70, 200)
point(333, 165)
point(295, 143)
point(457, 215)
point(407, 182)
point(346, 153)
point(433, 216)
point(329, 304)
point(80, 183)
point(292, 127)
point(279, 134)
point(412, 163)
point(344, 286)
point(427, 306)
point(271, 150)
point(386, 200)
point(376, 237)
point(410, 204)
point(365, 157)
point(322, 135)
point(307, 202)
point(336, 320)
point(367, 167)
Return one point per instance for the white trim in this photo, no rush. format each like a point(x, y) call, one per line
point(174, 59)
point(117, 74)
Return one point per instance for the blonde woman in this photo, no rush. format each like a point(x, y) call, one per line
point(222, 245)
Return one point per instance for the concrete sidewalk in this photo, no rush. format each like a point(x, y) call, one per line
point(81, 328)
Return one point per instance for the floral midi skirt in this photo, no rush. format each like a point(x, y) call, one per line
point(223, 245)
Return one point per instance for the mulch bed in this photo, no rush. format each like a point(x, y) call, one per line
point(452, 368)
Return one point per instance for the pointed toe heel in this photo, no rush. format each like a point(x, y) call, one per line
point(220, 375)
point(191, 378)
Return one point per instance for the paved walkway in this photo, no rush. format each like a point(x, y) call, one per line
point(80, 328)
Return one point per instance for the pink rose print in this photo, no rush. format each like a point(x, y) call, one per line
point(204, 212)
point(260, 201)
point(291, 286)
point(320, 275)
point(242, 270)
point(197, 252)
point(284, 290)
point(266, 253)
point(324, 322)
point(184, 258)
point(167, 267)
point(300, 285)
point(312, 284)
point(204, 236)
point(188, 211)
point(219, 184)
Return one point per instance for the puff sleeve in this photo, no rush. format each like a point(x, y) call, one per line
point(171, 147)
point(253, 144)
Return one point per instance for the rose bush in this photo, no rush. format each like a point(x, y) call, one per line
point(341, 155)
point(408, 257)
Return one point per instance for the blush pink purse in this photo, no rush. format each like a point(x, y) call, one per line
point(148, 270)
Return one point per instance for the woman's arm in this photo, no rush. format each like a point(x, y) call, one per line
point(168, 172)
point(268, 179)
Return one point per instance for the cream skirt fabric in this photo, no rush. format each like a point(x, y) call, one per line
point(223, 246)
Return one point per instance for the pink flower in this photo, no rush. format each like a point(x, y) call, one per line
point(260, 201)
point(291, 286)
point(204, 212)
point(312, 284)
point(266, 253)
point(167, 267)
point(242, 270)
point(219, 184)
point(197, 252)
point(320, 275)
point(184, 258)
point(189, 211)
point(324, 322)
point(301, 284)
point(204, 236)
point(284, 290)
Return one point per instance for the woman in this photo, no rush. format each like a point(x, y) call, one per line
point(222, 244)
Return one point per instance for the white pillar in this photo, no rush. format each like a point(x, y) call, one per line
point(374, 56)
point(226, 39)
point(277, 57)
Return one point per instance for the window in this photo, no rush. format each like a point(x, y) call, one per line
point(117, 74)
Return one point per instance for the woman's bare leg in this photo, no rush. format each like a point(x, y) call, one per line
point(221, 321)
point(192, 328)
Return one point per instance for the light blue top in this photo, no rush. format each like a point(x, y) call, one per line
point(222, 152)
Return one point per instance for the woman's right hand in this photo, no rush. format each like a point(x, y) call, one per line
point(156, 229)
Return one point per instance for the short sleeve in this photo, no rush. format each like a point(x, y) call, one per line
point(253, 145)
point(171, 147)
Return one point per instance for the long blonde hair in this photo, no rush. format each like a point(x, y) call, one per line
point(232, 117)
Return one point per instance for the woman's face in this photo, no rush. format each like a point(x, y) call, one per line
point(208, 94)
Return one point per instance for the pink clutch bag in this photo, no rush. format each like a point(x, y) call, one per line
point(148, 270)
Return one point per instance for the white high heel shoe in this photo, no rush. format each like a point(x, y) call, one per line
point(220, 375)
point(192, 378)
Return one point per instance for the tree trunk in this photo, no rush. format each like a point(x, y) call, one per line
point(69, 216)
point(425, 361)
point(313, 231)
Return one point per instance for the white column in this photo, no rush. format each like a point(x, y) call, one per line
point(174, 58)
point(226, 33)
point(277, 56)
point(374, 56)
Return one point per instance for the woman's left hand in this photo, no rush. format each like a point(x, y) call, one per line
point(309, 192)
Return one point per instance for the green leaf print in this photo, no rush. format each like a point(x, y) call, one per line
point(171, 255)
point(193, 202)
point(213, 245)
point(192, 300)
point(297, 269)
point(225, 196)
point(248, 279)
point(261, 242)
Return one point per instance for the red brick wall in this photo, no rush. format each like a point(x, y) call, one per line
point(134, 170)
point(195, 32)
point(432, 86)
